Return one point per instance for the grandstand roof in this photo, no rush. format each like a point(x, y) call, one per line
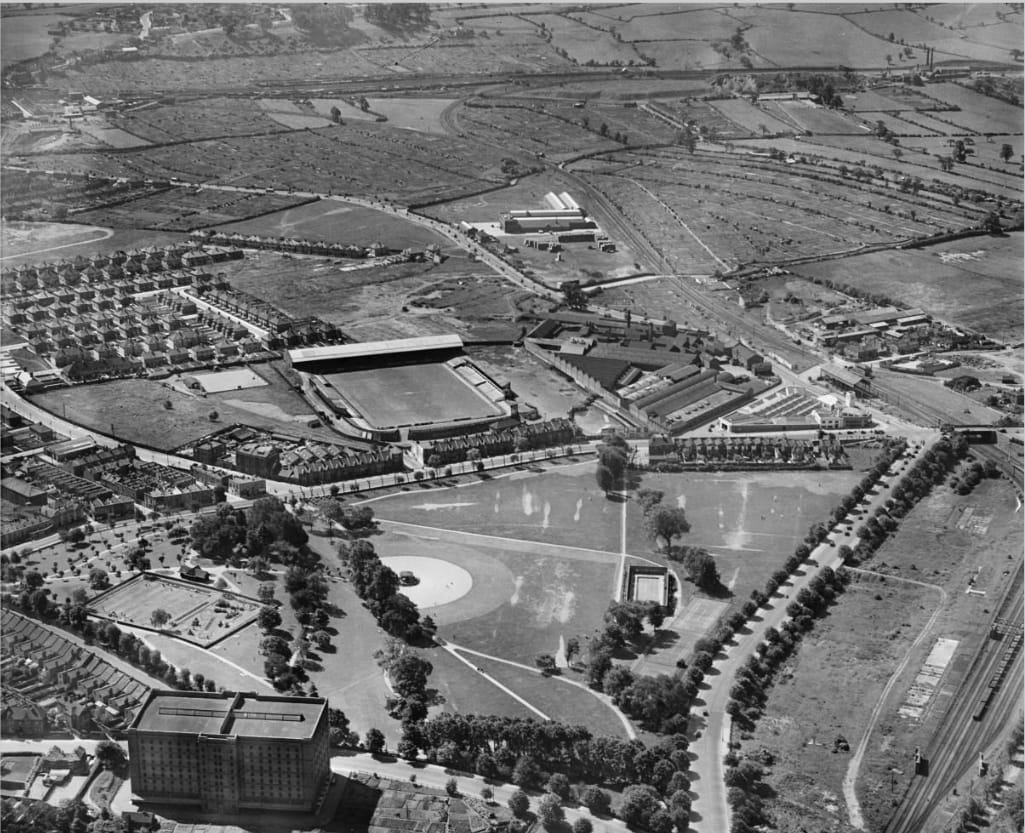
point(375, 348)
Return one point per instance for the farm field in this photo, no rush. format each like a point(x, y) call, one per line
point(413, 113)
point(871, 152)
point(392, 164)
point(195, 120)
point(289, 114)
point(530, 131)
point(749, 522)
point(973, 282)
point(131, 409)
point(978, 112)
point(25, 36)
point(786, 37)
point(732, 209)
point(410, 394)
point(184, 209)
point(751, 117)
point(335, 221)
point(199, 614)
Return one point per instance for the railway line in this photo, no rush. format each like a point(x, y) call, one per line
point(966, 730)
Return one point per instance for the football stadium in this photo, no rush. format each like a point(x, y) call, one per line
point(403, 389)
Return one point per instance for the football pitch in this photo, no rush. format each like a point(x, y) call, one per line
point(411, 394)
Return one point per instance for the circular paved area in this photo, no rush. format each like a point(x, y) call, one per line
point(441, 581)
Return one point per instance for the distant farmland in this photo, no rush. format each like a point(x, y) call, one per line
point(975, 282)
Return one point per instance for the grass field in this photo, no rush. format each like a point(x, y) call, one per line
point(195, 615)
point(335, 221)
point(973, 282)
point(525, 596)
point(749, 522)
point(413, 113)
point(36, 242)
point(462, 690)
point(19, 240)
point(131, 409)
point(411, 394)
point(564, 507)
point(555, 697)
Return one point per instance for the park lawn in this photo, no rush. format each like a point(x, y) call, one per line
point(131, 410)
point(828, 689)
point(560, 506)
point(461, 690)
point(553, 599)
point(555, 697)
point(750, 522)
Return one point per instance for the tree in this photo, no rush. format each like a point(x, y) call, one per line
point(549, 810)
point(606, 481)
point(700, 568)
point(374, 741)
point(110, 755)
point(546, 663)
point(519, 803)
point(408, 675)
point(32, 580)
point(336, 115)
point(667, 523)
point(487, 793)
point(639, 803)
point(98, 579)
point(269, 619)
point(452, 787)
point(1006, 152)
point(159, 618)
point(596, 800)
point(213, 416)
point(559, 785)
point(604, 129)
point(582, 825)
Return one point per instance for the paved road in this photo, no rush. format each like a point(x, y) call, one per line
point(711, 746)
point(436, 776)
